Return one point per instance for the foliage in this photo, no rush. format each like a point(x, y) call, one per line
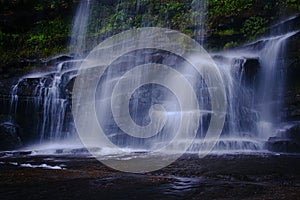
point(51, 4)
point(171, 13)
point(46, 27)
point(29, 27)
point(25, 68)
point(52, 28)
point(293, 4)
point(230, 45)
point(253, 27)
point(228, 7)
point(225, 32)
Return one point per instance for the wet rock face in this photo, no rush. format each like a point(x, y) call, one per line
point(287, 142)
point(292, 92)
point(251, 67)
point(277, 144)
point(9, 136)
point(294, 133)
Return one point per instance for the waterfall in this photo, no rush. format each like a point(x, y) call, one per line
point(79, 28)
point(244, 73)
point(199, 8)
point(253, 77)
point(271, 80)
point(14, 98)
point(47, 95)
point(45, 101)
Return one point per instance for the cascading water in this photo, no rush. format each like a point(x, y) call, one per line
point(255, 105)
point(48, 99)
point(199, 8)
point(271, 81)
point(46, 103)
point(14, 98)
point(79, 28)
point(253, 91)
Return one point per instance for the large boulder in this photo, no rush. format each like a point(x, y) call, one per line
point(293, 133)
point(9, 136)
point(292, 67)
point(277, 144)
point(288, 141)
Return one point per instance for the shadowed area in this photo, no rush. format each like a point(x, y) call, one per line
point(214, 177)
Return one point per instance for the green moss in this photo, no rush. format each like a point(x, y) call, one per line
point(26, 68)
point(293, 4)
point(49, 33)
point(228, 7)
point(253, 27)
point(230, 45)
point(226, 32)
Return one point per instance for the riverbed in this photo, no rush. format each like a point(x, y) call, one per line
point(231, 176)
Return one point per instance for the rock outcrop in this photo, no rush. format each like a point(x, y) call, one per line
point(9, 136)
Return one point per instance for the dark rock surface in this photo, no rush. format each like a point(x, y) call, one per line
point(288, 141)
point(276, 144)
point(292, 91)
point(294, 133)
point(213, 177)
point(9, 136)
